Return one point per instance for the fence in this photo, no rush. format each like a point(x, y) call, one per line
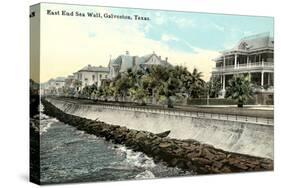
point(206, 115)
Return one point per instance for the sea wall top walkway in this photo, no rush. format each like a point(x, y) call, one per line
point(227, 113)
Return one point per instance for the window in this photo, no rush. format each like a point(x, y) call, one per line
point(100, 76)
point(105, 76)
point(93, 77)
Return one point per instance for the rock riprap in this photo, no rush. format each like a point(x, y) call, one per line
point(188, 154)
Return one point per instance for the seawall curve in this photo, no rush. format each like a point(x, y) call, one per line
point(241, 137)
point(187, 154)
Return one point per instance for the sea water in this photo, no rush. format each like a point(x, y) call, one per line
point(68, 155)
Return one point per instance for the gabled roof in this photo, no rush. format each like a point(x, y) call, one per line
point(253, 43)
point(126, 61)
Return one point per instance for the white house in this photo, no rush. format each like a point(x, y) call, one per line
point(253, 56)
point(90, 75)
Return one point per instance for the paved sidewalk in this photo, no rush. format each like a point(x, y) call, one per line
point(258, 107)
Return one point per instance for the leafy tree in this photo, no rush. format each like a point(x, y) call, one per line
point(138, 94)
point(214, 87)
point(88, 90)
point(239, 89)
point(122, 86)
point(77, 84)
point(156, 82)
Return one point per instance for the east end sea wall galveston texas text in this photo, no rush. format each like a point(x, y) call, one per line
point(95, 15)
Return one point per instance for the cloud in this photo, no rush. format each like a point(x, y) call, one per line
point(183, 22)
point(159, 19)
point(218, 27)
point(76, 42)
point(168, 37)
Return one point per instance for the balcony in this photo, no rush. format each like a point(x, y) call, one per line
point(256, 66)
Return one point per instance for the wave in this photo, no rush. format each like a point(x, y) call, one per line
point(137, 159)
point(145, 175)
point(46, 123)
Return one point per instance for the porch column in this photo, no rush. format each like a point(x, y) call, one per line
point(268, 79)
point(223, 85)
point(235, 61)
point(262, 73)
point(247, 61)
point(223, 62)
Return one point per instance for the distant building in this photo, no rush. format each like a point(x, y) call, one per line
point(253, 56)
point(69, 81)
point(53, 86)
point(90, 75)
point(124, 62)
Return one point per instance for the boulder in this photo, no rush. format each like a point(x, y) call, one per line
point(163, 134)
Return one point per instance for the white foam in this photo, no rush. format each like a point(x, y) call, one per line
point(137, 159)
point(145, 175)
point(46, 124)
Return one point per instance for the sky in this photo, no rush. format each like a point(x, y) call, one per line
point(68, 43)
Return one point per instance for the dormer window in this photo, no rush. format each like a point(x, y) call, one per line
point(243, 46)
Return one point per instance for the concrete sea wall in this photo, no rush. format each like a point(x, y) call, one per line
point(234, 136)
point(191, 155)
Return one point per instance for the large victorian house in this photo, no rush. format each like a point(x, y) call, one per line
point(124, 62)
point(252, 56)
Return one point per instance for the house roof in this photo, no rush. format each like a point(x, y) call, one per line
point(90, 68)
point(60, 79)
point(70, 77)
point(126, 61)
point(254, 42)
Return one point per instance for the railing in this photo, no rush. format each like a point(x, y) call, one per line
point(205, 115)
point(245, 66)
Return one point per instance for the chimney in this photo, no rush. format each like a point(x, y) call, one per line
point(166, 59)
point(134, 60)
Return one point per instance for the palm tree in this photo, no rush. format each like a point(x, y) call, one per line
point(239, 89)
point(168, 86)
point(196, 84)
